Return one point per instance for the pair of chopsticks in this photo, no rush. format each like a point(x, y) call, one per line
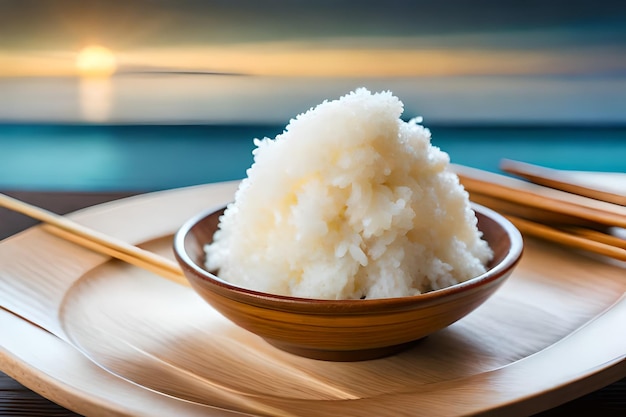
point(558, 216)
point(96, 241)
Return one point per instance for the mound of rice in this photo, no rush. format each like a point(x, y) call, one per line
point(349, 202)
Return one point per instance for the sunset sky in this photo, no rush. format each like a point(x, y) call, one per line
point(508, 42)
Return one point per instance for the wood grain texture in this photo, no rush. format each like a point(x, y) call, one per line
point(520, 344)
point(17, 401)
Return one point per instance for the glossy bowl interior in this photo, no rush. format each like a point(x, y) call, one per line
point(345, 330)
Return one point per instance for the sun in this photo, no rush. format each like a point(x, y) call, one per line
point(96, 61)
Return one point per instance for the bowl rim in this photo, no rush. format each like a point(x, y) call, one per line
point(507, 263)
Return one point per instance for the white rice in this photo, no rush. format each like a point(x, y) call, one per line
point(349, 202)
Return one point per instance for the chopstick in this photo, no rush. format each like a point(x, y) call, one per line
point(96, 241)
point(563, 180)
point(554, 216)
point(580, 240)
point(493, 185)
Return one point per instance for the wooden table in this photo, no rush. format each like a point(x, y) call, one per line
point(17, 400)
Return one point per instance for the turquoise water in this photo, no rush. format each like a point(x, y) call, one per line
point(153, 157)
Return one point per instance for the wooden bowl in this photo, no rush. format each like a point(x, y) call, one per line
point(345, 330)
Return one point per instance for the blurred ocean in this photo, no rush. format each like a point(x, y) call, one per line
point(243, 99)
point(153, 157)
point(156, 131)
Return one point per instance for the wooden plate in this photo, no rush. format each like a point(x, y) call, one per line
point(551, 333)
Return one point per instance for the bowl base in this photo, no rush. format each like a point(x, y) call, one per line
point(342, 355)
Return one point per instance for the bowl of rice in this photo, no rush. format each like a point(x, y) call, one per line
point(350, 238)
